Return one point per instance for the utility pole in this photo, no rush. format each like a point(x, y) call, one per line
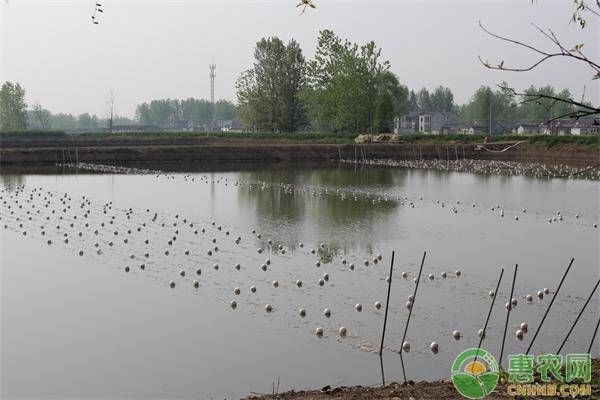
point(111, 111)
point(212, 75)
point(490, 120)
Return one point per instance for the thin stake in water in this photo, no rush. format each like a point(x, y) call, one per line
point(489, 313)
point(387, 303)
point(594, 336)
point(549, 306)
point(512, 290)
point(410, 313)
point(578, 316)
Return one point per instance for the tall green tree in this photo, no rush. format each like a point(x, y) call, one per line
point(424, 100)
point(442, 99)
point(13, 110)
point(269, 94)
point(345, 84)
point(487, 105)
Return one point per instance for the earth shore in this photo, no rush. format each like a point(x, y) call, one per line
point(42, 151)
point(438, 390)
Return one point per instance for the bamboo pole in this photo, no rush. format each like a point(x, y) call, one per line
point(387, 303)
point(512, 290)
point(549, 306)
point(578, 316)
point(410, 312)
point(489, 313)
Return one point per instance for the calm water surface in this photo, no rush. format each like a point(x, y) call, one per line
point(80, 326)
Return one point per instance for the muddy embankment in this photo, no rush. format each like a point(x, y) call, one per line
point(121, 151)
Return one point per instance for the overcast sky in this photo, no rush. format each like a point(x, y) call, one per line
point(144, 50)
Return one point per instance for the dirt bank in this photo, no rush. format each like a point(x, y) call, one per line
point(439, 390)
point(52, 151)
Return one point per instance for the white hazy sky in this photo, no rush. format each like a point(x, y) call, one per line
point(144, 50)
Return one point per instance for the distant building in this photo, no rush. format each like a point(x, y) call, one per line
point(586, 126)
point(529, 128)
point(479, 128)
point(425, 122)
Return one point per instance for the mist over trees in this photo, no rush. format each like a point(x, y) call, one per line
point(189, 113)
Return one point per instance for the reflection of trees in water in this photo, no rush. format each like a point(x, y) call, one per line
point(10, 182)
point(336, 219)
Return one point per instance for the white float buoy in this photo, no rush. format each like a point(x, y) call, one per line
point(302, 312)
point(268, 308)
point(275, 284)
point(456, 335)
point(327, 312)
point(540, 294)
point(377, 305)
point(172, 284)
point(434, 347)
point(358, 307)
point(253, 289)
point(444, 276)
point(342, 331)
point(519, 334)
point(481, 333)
point(406, 347)
point(458, 273)
point(524, 327)
point(546, 291)
point(529, 298)
point(233, 304)
point(237, 291)
point(319, 331)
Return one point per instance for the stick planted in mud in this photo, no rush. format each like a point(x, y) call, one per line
point(512, 290)
point(549, 306)
point(410, 313)
point(578, 316)
point(482, 336)
point(387, 303)
point(594, 336)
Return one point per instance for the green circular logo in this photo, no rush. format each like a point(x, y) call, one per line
point(475, 373)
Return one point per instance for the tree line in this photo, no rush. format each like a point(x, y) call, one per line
point(348, 87)
point(184, 114)
point(15, 115)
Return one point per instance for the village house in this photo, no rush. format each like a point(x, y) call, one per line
point(586, 126)
point(425, 122)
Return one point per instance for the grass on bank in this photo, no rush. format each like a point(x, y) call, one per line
point(310, 137)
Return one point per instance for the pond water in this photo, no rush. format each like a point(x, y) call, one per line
point(81, 326)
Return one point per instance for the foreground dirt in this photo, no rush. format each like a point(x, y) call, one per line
point(438, 390)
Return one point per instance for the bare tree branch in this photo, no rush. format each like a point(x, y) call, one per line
point(575, 53)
